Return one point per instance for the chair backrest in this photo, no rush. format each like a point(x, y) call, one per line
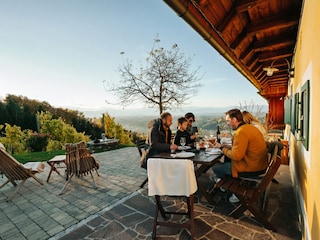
point(141, 143)
point(11, 168)
point(78, 159)
point(271, 171)
point(171, 177)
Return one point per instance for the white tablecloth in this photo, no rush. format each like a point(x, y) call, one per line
point(173, 177)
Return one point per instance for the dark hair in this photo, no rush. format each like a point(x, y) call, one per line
point(235, 113)
point(189, 115)
point(182, 120)
point(164, 115)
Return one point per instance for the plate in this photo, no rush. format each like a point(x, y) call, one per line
point(213, 151)
point(184, 155)
point(184, 147)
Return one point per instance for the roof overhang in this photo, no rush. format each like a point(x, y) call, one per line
point(250, 34)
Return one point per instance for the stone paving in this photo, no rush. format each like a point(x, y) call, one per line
point(118, 209)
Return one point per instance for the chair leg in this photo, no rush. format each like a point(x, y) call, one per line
point(264, 200)
point(16, 190)
point(189, 224)
point(190, 202)
point(238, 211)
point(37, 179)
point(64, 186)
point(94, 183)
point(155, 223)
point(159, 206)
point(256, 213)
point(261, 218)
point(144, 183)
point(6, 183)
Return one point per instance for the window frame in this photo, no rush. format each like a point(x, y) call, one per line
point(304, 114)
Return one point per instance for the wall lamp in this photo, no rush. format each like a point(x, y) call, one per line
point(270, 70)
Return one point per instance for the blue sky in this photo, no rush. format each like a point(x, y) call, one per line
point(61, 51)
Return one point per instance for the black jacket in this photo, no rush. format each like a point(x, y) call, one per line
point(157, 139)
point(179, 134)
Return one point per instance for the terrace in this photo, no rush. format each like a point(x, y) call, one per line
point(118, 209)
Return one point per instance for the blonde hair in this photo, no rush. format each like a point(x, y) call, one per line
point(248, 117)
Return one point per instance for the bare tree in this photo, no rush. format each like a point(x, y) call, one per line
point(164, 81)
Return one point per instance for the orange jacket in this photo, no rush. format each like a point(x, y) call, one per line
point(248, 152)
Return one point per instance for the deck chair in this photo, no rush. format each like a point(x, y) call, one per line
point(141, 143)
point(15, 171)
point(79, 162)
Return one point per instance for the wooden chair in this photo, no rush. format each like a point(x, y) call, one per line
point(250, 192)
point(15, 171)
point(141, 143)
point(175, 179)
point(79, 162)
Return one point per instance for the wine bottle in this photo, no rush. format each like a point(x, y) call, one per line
point(218, 134)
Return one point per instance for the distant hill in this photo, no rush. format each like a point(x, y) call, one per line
point(198, 111)
point(206, 119)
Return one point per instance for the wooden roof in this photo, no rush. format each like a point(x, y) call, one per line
point(250, 34)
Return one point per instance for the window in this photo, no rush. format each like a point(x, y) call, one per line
point(294, 112)
point(287, 110)
point(304, 114)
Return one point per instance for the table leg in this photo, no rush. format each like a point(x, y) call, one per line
point(201, 170)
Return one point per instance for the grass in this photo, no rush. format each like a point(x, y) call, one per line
point(37, 156)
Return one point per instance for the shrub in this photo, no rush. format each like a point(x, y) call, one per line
point(53, 145)
point(37, 142)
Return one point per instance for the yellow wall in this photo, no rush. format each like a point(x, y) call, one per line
point(306, 164)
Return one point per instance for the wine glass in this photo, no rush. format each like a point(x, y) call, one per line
point(173, 154)
point(206, 144)
point(183, 141)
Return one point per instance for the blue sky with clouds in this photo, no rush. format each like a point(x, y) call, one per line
point(61, 51)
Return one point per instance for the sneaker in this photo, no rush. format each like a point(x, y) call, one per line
point(222, 189)
point(214, 179)
point(233, 199)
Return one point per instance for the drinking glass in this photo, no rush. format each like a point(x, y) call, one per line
point(173, 153)
point(183, 141)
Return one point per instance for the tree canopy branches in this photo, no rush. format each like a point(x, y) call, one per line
point(164, 81)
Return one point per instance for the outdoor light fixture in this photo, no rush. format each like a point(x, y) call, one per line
point(270, 70)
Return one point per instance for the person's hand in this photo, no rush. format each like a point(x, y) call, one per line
point(217, 145)
point(173, 147)
point(226, 145)
point(193, 137)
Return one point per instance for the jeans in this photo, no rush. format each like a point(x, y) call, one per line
point(222, 169)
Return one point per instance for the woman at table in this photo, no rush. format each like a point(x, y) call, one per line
point(182, 132)
point(191, 119)
point(250, 119)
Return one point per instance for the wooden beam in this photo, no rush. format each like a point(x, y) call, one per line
point(227, 20)
point(239, 39)
point(278, 42)
point(270, 56)
point(245, 5)
point(281, 20)
point(246, 51)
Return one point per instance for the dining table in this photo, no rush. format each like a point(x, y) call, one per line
point(203, 160)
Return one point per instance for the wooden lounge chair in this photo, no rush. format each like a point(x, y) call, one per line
point(250, 192)
point(79, 162)
point(15, 171)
